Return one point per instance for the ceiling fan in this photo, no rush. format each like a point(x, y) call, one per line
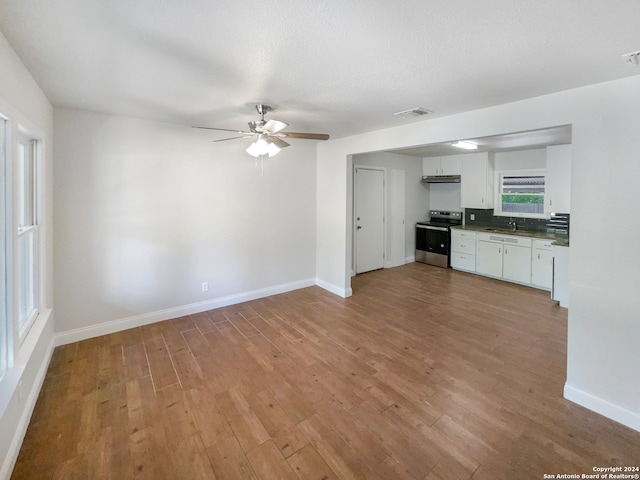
point(269, 134)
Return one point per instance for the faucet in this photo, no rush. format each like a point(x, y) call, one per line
point(513, 224)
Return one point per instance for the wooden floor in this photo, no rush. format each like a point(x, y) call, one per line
point(424, 373)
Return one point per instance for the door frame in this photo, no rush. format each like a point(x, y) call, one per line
point(385, 239)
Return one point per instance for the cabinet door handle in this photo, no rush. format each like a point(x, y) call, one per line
point(550, 202)
point(538, 256)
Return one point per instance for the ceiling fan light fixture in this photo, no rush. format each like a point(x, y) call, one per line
point(272, 149)
point(261, 147)
point(465, 144)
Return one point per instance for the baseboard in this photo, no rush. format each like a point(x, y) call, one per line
point(27, 410)
point(341, 292)
point(410, 259)
point(79, 334)
point(603, 407)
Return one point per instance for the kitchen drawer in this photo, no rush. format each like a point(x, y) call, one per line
point(463, 261)
point(543, 244)
point(457, 233)
point(463, 245)
point(505, 239)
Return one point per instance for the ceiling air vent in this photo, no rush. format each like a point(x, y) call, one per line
point(413, 112)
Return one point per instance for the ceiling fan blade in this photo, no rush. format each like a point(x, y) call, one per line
point(225, 139)
point(309, 136)
point(274, 126)
point(225, 130)
point(278, 142)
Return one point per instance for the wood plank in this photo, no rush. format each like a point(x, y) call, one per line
point(229, 460)
point(203, 322)
point(268, 462)
point(210, 423)
point(163, 373)
point(196, 342)
point(244, 422)
point(188, 370)
point(308, 464)
point(243, 326)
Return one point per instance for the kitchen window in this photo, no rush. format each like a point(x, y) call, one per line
point(520, 193)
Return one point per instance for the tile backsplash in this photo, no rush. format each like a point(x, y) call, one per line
point(486, 218)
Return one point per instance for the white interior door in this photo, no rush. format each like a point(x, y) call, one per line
point(397, 214)
point(369, 225)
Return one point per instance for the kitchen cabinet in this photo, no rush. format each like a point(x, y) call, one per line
point(516, 264)
point(542, 264)
point(504, 256)
point(489, 258)
point(447, 165)
point(463, 250)
point(558, 179)
point(477, 180)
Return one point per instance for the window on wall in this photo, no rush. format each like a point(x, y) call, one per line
point(28, 231)
point(521, 193)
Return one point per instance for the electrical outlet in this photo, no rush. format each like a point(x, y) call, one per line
point(205, 286)
point(472, 216)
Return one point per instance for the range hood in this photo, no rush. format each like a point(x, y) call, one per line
point(441, 179)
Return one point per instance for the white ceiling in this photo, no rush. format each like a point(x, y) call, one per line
point(337, 67)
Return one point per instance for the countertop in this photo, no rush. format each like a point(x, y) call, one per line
point(559, 240)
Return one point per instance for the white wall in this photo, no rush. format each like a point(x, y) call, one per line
point(147, 211)
point(445, 196)
point(416, 195)
point(521, 159)
point(604, 319)
point(25, 104)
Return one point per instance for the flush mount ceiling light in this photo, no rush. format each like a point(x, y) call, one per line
point(465, 144)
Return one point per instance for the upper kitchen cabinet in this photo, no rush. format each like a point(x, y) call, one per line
point(558, 179)
point(447, 165)
point(477, 180)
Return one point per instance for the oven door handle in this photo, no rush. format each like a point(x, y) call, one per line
point(429, 227)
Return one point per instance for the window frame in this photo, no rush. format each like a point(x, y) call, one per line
point(500, 174)
point(22, 232)
point(6, 345)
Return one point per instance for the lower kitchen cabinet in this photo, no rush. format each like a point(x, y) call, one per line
point(504, 256)
point(542, 264)
point(463, 250)
point(516, 264)
point(489, 258)
point(463, 261)
point(526, 260)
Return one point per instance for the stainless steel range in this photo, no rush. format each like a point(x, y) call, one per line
point(433, 237)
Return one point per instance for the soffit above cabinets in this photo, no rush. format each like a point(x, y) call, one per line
point(497, 143)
